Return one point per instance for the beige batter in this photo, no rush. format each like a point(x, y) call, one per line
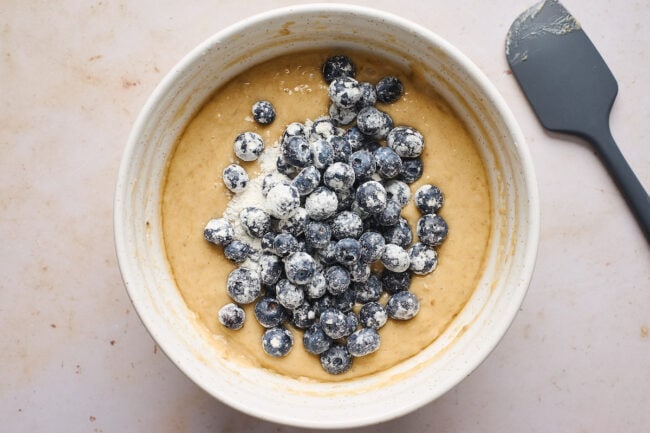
point(195, 193)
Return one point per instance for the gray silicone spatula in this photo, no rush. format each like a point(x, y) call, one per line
point(571, 89)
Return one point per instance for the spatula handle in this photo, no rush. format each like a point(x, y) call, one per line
point(637, 198)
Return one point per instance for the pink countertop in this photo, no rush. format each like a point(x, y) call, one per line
point(75, 357)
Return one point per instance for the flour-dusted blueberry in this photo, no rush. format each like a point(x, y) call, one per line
point(322, 154)
point(270, 268)
point(342, 115)
point(277, 341)
point(395, 258)
point(393, 282)
point(269, 313)
point(327, 255)
point(315, 340)
point(368, 96)
point(424, 259)
point(374, 123)
point(272, 179)
point(256, 222)
point(317, 287)
point(263, 112)
point(371, 197)
point(296, 224)
point(232, 316)
point(248, 146)
point(295, 129)
point(363, 342)
point(364, 165)
point(347, 224)
point(321, 204)
point(336, 359)
point(243, 285)
point(237, 251)
point(284, 167)
point(344, 92)
point(354, 207)
point(412, 170)
point(389, 89)
point(351, 322)
point(282, 201)
point(372, 246)
point(322, 129)
point(428, 199)
point(348, 251)
point(341, 147)
point(356, 138)
point(402, 305)
point(369, 290)
point(333, 322)
point(359, 271)
point(219, 231)
point(390, 215)
point(235, 178)
point(372, 315)
point(304, 316)
point(296, 151)
point(338, 279)
point(307, 180)
point(398, 191)
point(339, 176)
point(406, 141)
point(289, 295)
point(299, 267)
point(338, 66)
point(432, 230)
point(399, 234)
point(389, 164)
point(266, 243)
point(318, 234)
point(285, 244)
point(344, 301)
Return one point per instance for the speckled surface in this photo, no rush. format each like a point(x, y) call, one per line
point(75, 357)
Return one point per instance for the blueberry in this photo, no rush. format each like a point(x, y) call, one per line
point(322, 129)
point(296, 224)
point(303, 316)
point(288, 294)
point(348, 251)
point(269, 313)
point(399, 234)
point(389, 164)
point(342, 148)
point(322, 153)
point(235, 178)
point(307, 180)
point(299, 267)
point(344, 92)
point(356, 138)
point(359, 271)
point(263, 112)
point(296, 151)
point(334, 323)
point(266, 243)
point(321, 204)
point(272, 179)
point(364, 165)
point(270, 268)
point(398, 191)
point(277, 341)
point(256, 222)
point(372, 315)
point(374, 123)
point(363, 342)
point(412, 170)
point(395, 258)
point(317, 234)
point(341, 115)
point(371, 197)
point(367, 291)
point(407, 142)
point(232, 316)
point(372, 246)
point(343, 301)
point(327, 255)
point(243, 285)
point(424, 259)
point(389, 89)
point(284, 167)
point(336, 359)
point(432, 230)
point(219, 231)
point(237, 251)
point(429, 199)
point(295, 129)
point(339, 176)
point(347, 224)
point(390, 215)
point(282, 201)
point(317, 287)
point(338, 279)
point(285, 244)
point(315, 340)
point(393, 282)
point(351, 322)
point(368, 96)
point(346, 198)
point(338, 66)
point(248, 146)
point(402, 306)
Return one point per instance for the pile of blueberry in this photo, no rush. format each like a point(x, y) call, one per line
point(332, 209)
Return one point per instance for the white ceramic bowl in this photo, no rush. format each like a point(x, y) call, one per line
point(473, 333)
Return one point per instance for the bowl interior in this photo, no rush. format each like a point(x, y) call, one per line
point(411, 384)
